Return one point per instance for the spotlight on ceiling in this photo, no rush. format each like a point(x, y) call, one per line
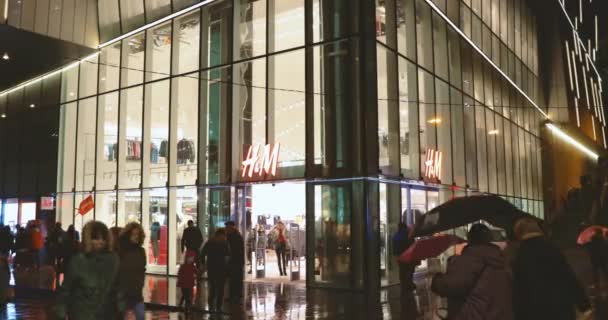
point(5, 56)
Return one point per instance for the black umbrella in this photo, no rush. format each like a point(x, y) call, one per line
point(463, 211)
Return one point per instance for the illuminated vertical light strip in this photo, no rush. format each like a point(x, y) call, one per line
point(604, 135)
point(586, 89)
point(578, 116)
point(562, 135)
point(578, 93)
point(574, 28)
point(597, 43)
point(5, 10)
point(478, 50)
point(569, 65)
point(593, 125)
point(580, 8)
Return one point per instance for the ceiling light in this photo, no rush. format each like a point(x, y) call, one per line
point(32, 105)
point(435, 121)
point(3, 115)
point(5, 56)
point(493, 132)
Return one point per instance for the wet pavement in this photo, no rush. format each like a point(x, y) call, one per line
point(281, 299)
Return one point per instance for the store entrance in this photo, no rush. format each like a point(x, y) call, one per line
point(273, 220)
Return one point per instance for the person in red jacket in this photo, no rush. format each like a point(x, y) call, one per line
point(186, 279)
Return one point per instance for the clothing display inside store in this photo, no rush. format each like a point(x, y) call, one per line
point(186, 151)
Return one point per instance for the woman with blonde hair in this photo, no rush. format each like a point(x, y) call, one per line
point(88, 291)
point(132, 270)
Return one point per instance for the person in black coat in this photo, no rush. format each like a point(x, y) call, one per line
point(132, 269)
point(544, 284)
point(192, 239)
point(237, 262)
point(214, 256)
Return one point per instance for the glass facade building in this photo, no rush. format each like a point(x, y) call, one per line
point(341, 118)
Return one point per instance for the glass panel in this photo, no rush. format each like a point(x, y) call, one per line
point(105, 208)
point(88, 77)
point(156, 9)
point(107, 141)
point(130, 137)
point(492, 133)
point(216, 34)
point(508, 157)
point(129, 207)
point(186, 209)
point(406, 28)
point(428, 118)
point(516, 163)
point(390, 217)
point(158, 61)
point(249, 109)
point(214, 130)
point(458, 143)
point(187, 32)
point(67, 20)
point(109, 20)
point(183, 141)
point(286, 111)
point(55, 20)
point(388, 108)
point(408, 119)
point(67, 147)
point(444, 138)
point(334, 19)
point(286, 26)
point(156, 135)
point(64, 205)
point(440, 47)
point(85, 156)
point(155, 222)
point(109, 68)
point(500, 155)
point(41, 20)
point(91, 32)
point(467, 69)
point(424, 34)
point(132, 68)
point(249, 29)
point(482, 148)
point(181, 4)
point(335, 255)
point(454, 58)
point(132, 14)
point(69, 84)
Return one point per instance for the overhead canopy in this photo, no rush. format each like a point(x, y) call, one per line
point(32, 54)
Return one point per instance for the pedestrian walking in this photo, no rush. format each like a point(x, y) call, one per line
point(236, 264)
point(476, 283)
point(89, 290)
point(116, 232)
point(53, 244)
point(401, 242)
point(598, 254)
point(544, 285)
point(192, 239)
point(186, 280)
point(7, 241)
point(22, 248)
point(281, 246)
point(37, 242)
point(215, 257)
point(72, 229)
point(132, 269)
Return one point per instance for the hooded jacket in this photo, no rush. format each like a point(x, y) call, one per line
point(477, 285)
point(88, 291)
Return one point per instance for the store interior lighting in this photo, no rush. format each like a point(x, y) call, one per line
point(565, 137)
point(5, 56)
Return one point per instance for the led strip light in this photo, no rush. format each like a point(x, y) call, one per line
point(558, 132)
point(588, 57)
point(448, 21)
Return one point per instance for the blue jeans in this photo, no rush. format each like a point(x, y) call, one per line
point(139, 311)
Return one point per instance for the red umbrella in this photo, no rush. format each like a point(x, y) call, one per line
point(429, 248)
point(585, 236)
